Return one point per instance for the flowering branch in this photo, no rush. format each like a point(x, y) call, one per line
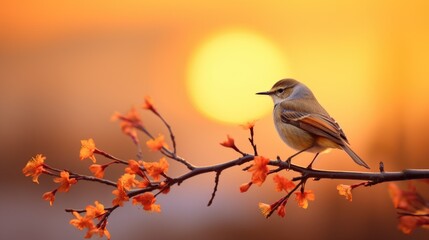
point(141, 179)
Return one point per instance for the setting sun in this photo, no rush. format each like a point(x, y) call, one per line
point(228, 69)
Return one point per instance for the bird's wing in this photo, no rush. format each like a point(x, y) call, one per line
point(316, 124)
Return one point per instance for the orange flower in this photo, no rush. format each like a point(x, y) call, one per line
point(245, 186)
point(121, 195)
point(281, 211)
point(156, 144)
point(229, 143)
point(65, 181)
point(102, 231)
point(97, 170)
point(82, 222)
point(49, 196)
point(283, 183)
point(147, 200)
point(128, 123)
point(155, 169)
point(259, 170)
point(408, 200)
point(164, 187)
point(87, 150)
point(303, 197)
point(408, 223)
point(95, 211)
point(128, 181)
point(134, 168)
point(148, 104)
point(414, 206)
point(34, 167)
point(248, 125)
point(265, 209)
point(345, 190)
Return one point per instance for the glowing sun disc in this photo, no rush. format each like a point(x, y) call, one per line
point(228, 69)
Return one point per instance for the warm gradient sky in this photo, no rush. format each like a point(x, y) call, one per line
point(67, 66)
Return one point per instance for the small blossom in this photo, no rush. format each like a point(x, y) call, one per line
point(143, 183)
point(121, 195)
point(134, 168)
point(128, 181)
point(49, 196)
point(155, 169)
point(156, 144)
point(164, 187)
point(345, 190)
point(248, 125)
point(245, 186)
point(65, 181)
point(408, 223)
point(303, 197)
point(97, 170)
point(414, 206)
point(259, 170)
point(229, 143)
point(129, 122)
point(82, 222)
point(87, 150)
point(102, 231)
point(148, 104)
point(265, 209)
point(408, 200)
point(95, 211)
point(147, 200)
point(281, 211)
point(283, 183)
point(34, 167)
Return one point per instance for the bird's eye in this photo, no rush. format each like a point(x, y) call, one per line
point(280, 91)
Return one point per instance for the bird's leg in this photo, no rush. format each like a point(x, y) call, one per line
point(311, 164)
point(289, 159)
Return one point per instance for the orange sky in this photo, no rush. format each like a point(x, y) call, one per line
point(66, 66)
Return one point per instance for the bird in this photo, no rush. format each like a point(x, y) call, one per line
point(303, 124)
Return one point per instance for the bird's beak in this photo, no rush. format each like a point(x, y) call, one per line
point(263, 93)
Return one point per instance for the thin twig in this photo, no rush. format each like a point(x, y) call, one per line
point(252, 142)
point(215, 188)
point(169, 130)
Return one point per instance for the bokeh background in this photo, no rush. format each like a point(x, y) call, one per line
point(67, 66)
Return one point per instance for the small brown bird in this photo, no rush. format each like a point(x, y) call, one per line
point(303, 123)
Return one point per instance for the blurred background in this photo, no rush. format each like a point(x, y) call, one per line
point(67, 66)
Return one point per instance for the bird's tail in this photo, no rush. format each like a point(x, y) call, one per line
point(354, 156)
